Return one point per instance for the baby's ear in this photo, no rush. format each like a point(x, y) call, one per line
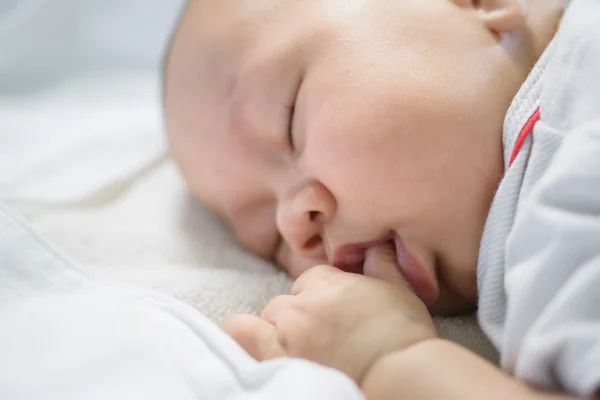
point(502, 16)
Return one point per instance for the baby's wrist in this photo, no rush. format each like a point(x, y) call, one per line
point(406, 366)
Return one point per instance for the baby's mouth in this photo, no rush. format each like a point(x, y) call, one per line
point(351, 258)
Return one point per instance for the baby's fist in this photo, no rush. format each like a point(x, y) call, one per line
point(341, 320)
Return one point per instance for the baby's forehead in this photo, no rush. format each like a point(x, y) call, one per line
point(241, 27)
point(224, 20)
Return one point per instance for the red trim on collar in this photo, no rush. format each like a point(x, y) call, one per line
point(524, 134)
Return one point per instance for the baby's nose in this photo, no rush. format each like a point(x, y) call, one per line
point(303, 216)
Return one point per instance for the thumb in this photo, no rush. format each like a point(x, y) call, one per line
point(381, 263)
point(255, 335)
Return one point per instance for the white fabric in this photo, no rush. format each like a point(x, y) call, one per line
point(65, 336)
point(45, 41)
point(57, 149)
point(91, 64)
point(539, 269)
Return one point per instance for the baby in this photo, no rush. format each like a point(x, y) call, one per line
point(402, 158)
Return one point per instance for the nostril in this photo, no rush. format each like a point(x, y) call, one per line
point(313, 215)
point(313, 242)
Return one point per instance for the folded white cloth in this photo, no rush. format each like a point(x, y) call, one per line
point(65, 336)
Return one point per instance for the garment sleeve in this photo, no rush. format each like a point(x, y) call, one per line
point(552, 331)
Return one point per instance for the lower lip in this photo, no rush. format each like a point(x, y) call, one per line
point(421, 280)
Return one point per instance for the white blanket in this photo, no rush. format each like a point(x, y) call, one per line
point(65, 336)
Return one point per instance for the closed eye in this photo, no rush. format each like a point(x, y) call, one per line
point(291, 115)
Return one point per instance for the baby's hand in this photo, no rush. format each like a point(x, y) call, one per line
point(341, 320)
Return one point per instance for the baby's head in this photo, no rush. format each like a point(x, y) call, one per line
point(318, 128)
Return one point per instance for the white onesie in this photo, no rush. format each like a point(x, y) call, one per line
point(539, 263)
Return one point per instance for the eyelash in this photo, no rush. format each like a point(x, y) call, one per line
point(291, 115)
point(290, 130)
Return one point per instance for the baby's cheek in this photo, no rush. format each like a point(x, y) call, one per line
point(362, 172)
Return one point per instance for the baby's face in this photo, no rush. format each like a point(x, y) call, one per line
point(320, 128)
